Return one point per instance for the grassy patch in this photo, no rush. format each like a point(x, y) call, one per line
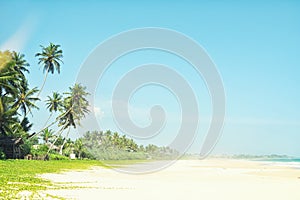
point(17, 176)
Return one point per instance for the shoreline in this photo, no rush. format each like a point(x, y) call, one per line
point(193, 179)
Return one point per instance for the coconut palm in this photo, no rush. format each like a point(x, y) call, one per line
point(8, 116)
point(46, 135)
point(8, 76)
point(26, 99)
point(77, 98)
point(75, 106)
point(50, 58)
point(26, 125)
point(6, 60)
point(54, 103)
point(20, 63)
point(79, 147)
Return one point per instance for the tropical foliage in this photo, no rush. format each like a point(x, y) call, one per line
point(113, 146)
point(66, 110)
point(18, 99)
point(50, 58)
point(16, 95)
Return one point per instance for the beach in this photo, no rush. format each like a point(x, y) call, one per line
point(186, 179)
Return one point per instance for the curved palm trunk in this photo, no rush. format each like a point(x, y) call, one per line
point(52, 144)
point(45, 78)
point(57, 119)
point(48, 120)
point(65, 140)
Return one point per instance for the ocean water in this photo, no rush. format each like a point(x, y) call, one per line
point(287, 162)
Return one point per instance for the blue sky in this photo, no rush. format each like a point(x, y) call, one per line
point(255, 46)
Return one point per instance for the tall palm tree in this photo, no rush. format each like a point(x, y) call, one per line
point(54, 103)
point(7, 74)
point(8, 116)
point(6, 78)
point(75, 106)
point(77, 98)
point(50, 58)
point(6, 59)
point(20, 64)
point(15, 95)
point(26, 125)
point(26, 99)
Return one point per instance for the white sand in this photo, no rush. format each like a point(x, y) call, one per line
point(210, 179)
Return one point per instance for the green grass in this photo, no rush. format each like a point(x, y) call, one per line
point(21, 175)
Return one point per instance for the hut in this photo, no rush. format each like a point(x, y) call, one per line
point(11, 147)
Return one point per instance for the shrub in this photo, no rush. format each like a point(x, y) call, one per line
point(57, 157)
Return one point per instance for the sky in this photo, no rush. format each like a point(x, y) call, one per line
point(254, 45)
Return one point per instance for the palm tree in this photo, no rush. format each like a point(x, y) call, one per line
point(79, 147)
point(75, 106)
point(8, 114)
point(26, 125)
point(8, 118)
point(6, 59)
point(25, 98)
point(54, 104)
point(116, 139)
point(77, 98)
point(50, 58)
point(47, 134)
point(6, 78)
point(20, 64)
point(7, 74)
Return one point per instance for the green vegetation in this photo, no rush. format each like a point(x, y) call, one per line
point(16, 97)
point(112, 146)
point(19, 139)
point(21, 175)
point(68, 109)
point(17, 100)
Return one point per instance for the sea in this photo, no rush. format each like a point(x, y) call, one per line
point(287, 162)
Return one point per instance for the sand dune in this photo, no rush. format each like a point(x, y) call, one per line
point(186, 179)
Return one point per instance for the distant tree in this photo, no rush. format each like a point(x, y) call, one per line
point(47, 135)
point(79, 147)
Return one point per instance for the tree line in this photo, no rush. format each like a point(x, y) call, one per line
point(18, 99)
point(66, 110)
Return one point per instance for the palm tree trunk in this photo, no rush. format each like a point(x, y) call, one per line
point(48, 119)
point(59, 134)
point(45, 78)
point(65, 140)
point(57, 119)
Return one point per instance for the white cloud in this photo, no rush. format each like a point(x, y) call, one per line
point(98, 112)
